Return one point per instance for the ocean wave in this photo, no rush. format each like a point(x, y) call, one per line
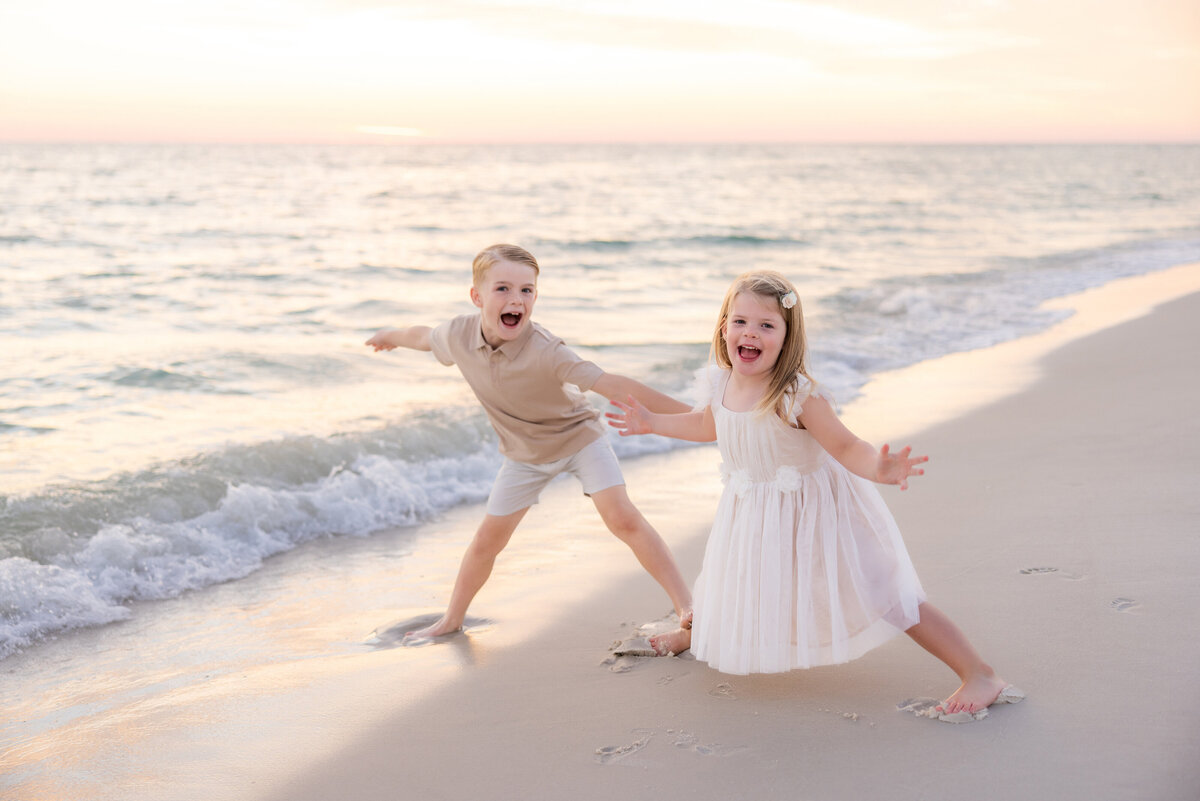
point(23, 239)
point(744, 240)
point(736, 240)
point(13, 428)
point(140, 202)
point(75, 556)
point(893, 323)
point(164, 380)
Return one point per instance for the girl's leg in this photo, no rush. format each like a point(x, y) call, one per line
point(627, 523)
point(490, 538)
point(938, 635)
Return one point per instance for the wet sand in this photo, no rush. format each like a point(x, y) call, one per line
point(1056, 525)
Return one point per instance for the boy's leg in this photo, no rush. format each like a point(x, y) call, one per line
point(938, 635)
point(627, 523)
point(490, 538)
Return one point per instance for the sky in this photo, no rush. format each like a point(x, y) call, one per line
point(600, 71)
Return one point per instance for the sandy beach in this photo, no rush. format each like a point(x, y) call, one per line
point(1056, 525)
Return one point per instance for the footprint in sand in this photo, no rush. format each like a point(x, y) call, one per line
point(1041, 571)
point(628, 654)
point(613, 753)
point(1123, 604)
point(718, 750)
point(687, 741)
point(621, 664)
point(723, 690)
point(683, 739)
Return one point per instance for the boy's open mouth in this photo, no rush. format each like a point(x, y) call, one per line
point(748, 353)
point(510, 319)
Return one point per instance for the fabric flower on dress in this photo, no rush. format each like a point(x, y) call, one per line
point(787, 478)
point(736, 480)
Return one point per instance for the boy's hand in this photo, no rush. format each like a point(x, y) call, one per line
point(415, 337)
point(381, 341)
point(895, 468)
point(632, 419)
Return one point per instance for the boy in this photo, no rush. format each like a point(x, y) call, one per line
point(520, 373)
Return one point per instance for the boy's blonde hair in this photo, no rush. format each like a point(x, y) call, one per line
point(490, 255)
point(780, 396)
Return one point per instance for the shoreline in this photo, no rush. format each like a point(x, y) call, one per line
point(1027, 548)
point(527, 701)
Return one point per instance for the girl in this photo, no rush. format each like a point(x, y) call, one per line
point(805, 565)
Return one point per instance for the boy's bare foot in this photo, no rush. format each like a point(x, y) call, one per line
point(442, 626)
point(976, 693)
point(672, 642)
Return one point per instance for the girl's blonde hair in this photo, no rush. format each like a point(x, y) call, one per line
point(780, 396)
point(494, 253)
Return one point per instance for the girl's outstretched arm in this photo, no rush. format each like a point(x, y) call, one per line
point(415, 337)
point(634, 418)
point(857, 455)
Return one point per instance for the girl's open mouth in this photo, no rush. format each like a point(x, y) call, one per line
point(748, 353)
point(510, 319)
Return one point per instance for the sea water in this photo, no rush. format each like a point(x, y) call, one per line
point(184, 391)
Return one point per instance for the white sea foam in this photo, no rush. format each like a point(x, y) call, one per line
point(87, 581)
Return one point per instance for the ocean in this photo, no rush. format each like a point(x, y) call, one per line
point(185, 393)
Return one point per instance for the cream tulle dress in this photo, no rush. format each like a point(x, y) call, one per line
point(805, 565)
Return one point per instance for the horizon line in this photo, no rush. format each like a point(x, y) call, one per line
point(403, 142)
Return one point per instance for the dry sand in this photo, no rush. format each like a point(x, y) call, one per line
point(1058, 526)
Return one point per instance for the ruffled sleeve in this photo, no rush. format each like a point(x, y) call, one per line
point(802, 390)
point(706, 384)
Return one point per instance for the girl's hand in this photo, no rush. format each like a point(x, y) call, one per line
point(895, 468)
point(632, 419)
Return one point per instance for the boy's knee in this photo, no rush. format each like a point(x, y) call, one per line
point(625, 522)
point(487, 547)
point(491, 541)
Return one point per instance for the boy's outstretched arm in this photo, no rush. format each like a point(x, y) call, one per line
point(415, 337)
point(633, 418)
point(620, 388)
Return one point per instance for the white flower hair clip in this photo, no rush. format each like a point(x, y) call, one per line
point(789, 300)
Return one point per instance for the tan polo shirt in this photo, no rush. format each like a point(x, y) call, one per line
point(528, 387)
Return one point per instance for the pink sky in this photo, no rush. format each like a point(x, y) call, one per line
point(600, 70)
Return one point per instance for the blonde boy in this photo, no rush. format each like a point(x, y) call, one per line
point(531, 386)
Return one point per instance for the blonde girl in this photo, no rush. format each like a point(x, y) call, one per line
point(805, 565)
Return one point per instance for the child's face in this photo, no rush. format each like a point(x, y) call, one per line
point(506, 295)
point(754, 334)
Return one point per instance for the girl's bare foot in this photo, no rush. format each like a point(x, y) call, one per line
point(976, 693)
point(671, 643)
point(685, 620)
point(442, 626)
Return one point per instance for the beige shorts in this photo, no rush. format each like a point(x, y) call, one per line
point(519, 485)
